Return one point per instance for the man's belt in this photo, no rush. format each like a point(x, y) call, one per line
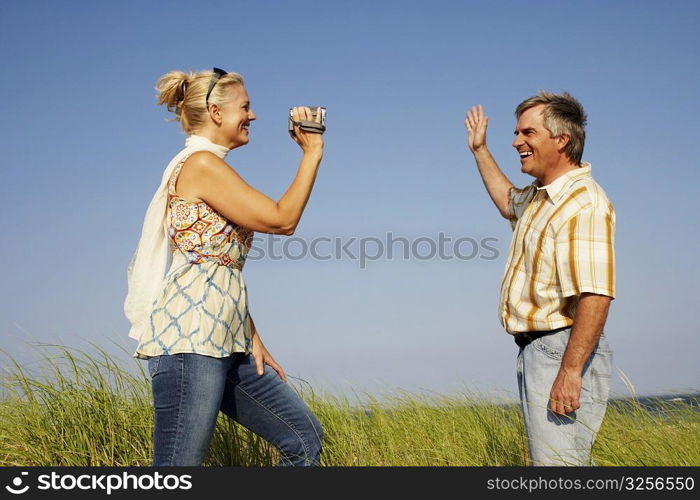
point(524, 338)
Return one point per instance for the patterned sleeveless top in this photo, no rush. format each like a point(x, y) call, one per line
point(203, 308)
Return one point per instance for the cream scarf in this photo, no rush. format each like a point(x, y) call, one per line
point(148, 265)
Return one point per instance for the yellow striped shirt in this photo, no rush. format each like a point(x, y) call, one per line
point(563, 246)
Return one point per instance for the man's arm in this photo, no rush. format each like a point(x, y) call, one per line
point(588, 325)
point(497, 184)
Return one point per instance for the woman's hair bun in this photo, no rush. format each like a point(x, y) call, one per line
point(171, 89)
point(185, 95)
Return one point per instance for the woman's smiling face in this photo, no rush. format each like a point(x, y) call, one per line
point(236, 115)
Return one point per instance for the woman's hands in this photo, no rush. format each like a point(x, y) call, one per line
point(262, 357)
point(309, 142)
point(206, 177)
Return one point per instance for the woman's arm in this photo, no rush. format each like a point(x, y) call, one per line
point(262, 356)
point(208, 178)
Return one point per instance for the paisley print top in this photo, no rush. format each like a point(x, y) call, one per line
point(203, 308)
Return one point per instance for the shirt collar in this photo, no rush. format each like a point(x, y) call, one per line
point(561, 184)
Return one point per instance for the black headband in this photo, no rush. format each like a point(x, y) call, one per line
point(218, 73)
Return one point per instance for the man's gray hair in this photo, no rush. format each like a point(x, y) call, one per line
point(563, 115)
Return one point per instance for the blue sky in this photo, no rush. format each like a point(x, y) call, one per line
point(85, 145)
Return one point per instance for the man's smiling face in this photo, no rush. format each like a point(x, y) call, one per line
point(537, 149)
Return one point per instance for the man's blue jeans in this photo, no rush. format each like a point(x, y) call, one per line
point(561, 439)
point(190, 389)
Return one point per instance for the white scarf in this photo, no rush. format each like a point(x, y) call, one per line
point(148, 265)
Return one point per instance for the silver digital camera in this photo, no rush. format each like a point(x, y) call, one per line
point(308, 125)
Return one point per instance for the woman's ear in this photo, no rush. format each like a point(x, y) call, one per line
point(215, 113)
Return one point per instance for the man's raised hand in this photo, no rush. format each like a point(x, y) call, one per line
point(476, 123)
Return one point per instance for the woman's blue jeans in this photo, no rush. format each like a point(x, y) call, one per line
point(190, 389)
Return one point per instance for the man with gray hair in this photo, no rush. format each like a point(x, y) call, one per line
point(559, 278)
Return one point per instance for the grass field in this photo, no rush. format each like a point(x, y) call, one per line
point(81, 408)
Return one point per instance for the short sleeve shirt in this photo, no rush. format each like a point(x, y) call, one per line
point(563, 246)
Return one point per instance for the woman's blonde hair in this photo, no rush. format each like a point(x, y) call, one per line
point(185, 93)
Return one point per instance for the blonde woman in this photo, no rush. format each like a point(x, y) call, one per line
point(193, 326)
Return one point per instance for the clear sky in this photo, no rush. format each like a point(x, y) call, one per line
point(84, 147)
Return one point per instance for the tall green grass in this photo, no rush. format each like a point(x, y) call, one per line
point(86, 408)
